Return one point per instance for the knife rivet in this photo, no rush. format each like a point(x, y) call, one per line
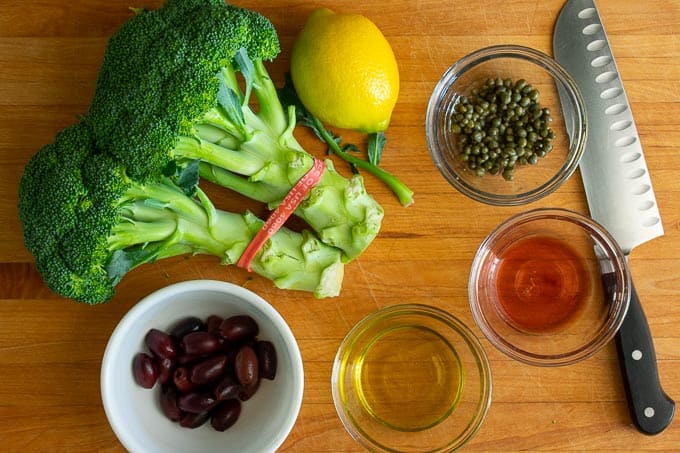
point(649, 412)
point(636, 355)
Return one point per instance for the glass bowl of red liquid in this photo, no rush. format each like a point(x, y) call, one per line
point(549, 287)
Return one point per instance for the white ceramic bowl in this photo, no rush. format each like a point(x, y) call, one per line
point(134, 412)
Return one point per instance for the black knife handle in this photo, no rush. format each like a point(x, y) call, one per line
point(650, 408)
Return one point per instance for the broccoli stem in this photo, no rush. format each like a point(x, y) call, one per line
point(255, 190)
point(401, 190)
point(270, 109)
point(246, 163)
point(159, 221)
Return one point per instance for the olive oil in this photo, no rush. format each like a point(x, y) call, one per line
point(408, 378)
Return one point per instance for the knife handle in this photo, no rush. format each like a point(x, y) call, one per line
point(650, 408)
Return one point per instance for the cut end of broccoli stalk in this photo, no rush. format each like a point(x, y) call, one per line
point(299, 261)
point(340, 210)
point(344, 214)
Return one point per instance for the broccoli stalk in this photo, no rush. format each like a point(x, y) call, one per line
point(88, 223)
point(203, 61)
point(340, 211)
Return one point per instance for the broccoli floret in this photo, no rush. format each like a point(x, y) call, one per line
point(88, 223)
point(176, 85)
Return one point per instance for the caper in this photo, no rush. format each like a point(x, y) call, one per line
point(508, 174)
point(500, 124)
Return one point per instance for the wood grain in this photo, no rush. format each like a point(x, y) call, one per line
point(51, 348)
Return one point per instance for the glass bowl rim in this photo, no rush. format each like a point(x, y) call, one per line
point(606, 332)
point(451, 322)
point(578, 135)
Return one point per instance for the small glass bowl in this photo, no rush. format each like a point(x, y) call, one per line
point(411, 378)
point(531, 182)
point(549, 287)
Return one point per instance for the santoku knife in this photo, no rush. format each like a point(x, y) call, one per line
point(618, 189)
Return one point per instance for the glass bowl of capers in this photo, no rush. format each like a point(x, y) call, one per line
point(506, 125)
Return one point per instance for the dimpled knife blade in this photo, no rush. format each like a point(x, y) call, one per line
point(618, 189)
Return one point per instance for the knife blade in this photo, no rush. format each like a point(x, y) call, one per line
point(618, 189)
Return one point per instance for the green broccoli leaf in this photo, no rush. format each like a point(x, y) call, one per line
point(376, 144)
point(245, 65)
point(187, 179)
point(229, 100)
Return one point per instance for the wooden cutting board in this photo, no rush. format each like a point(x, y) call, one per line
point(51, 348)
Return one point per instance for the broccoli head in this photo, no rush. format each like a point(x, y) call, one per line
point(159, 76)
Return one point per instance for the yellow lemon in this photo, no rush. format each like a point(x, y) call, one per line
point(344, 71)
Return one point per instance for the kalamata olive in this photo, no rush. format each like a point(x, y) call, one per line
point(227, 388)
point(208, 370)
point(190, 420)
point(169, 403)
point(239, 328)
point(165, 369)
point(245, 365)
point(145, 370)
point(186, 359)
point(181, 379)
point(231, 349)
point(200, 343)
point(266, 359)
point(196, 402)
point(187, 325)
point(247, 391)
point(160, 343)
point(212, 324)
point(226, 414)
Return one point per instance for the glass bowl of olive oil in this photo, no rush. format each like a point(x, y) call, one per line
point(549, 287)
point(411, 378)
